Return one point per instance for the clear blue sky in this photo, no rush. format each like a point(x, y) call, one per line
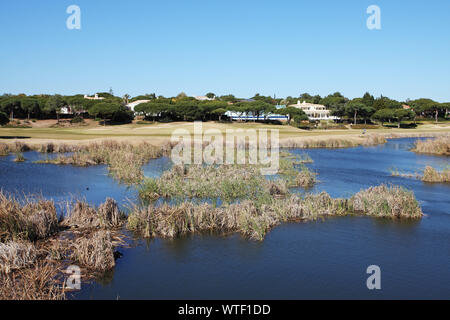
point(240, 47)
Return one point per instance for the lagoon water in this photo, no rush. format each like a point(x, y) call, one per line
point(324, 259)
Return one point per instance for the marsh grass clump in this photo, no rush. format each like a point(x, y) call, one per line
point(384, 201)
point(289, 172)
point(47, 148)
point(247, 217)
point(277, 188)
point(374, 139)
point(16, 255)
point(227, 182)
point(33, 220)
point(432, 175)
point(124, 160)
point(369, 140)
point(250, 218)
point(305, 178)
point(439, 146)
point(40, 282)
point(95, 252)
point(107, 216)
point(19, 157)
point(35, 244)
point(20, 147)
point(4, 149)
point(253, 218)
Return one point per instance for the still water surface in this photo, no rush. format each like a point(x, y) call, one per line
point(324, 259)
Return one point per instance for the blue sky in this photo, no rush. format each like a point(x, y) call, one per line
point(240, 47)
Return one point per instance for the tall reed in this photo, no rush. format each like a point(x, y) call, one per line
point(31, 220)
point(439, 146)
point(432, 175)
point(254, 219)
point(124, 160)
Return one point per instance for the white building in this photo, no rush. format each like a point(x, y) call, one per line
point(133, 105)
point(203, 98)
point(96, 97)
point(314, 111)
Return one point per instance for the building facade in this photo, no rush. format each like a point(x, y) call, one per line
point(314, 111)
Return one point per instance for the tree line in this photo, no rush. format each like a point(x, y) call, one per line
point(183, 108)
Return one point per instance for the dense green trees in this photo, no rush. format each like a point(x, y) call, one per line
point(428, 107)
point(111, 111)
point(184, 108)
point(293, 113)
point(383, 115)
point(3, 119)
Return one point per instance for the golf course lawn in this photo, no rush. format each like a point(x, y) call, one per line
point(158, 133)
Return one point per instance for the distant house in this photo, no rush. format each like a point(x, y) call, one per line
point(314, 111)
point(95, 97)
point(406, 107)
point(134, 104)
point(203, 98)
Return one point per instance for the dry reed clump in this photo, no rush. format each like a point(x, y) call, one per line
point(37, 283)
point(384, 201)
point(19, 157)
point(4, 149)
point(305, 178)
point(95, 252)
point(369, 140)
point(432, 175)
point(47, 148)
point(107, 216)
point(32, 221)
point(247, 217)
point(227, 182)
point(16, 255)
point(254, 219)
point(19, 147)
point(439, 146)
point(374, 139)
point(124, 160)
point(277, 188)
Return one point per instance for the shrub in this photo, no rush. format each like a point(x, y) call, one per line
point(77, 119)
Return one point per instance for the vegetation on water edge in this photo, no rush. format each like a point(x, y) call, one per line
point(384, 201)
point(29, 221)
point(19, 157)
point(430, 174)
point(254, 219)
point(225, 182)
point(96, 251)
point(35, 244)
point(124, 160)
point(439, 146)
point(369, 140)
